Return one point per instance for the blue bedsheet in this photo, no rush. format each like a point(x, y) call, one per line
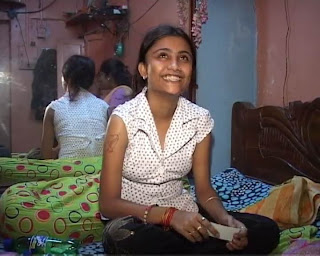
point(236, 190)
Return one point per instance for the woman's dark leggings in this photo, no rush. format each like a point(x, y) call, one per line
point(129, 235)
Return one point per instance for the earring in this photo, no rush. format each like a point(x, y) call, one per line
point(144, 77)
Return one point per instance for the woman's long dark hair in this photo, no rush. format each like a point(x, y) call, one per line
point(149, 40)
point(78, 72)
point(117, 70)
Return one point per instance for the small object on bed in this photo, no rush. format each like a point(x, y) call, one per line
point(225, 232)
point(292, 204)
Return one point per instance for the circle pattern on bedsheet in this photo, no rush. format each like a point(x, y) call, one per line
point(21, 170)
point(236, 190)
point(63, 208)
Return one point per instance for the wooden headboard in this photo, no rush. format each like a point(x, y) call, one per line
point(273, 143)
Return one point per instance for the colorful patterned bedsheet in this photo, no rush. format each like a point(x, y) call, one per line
point(238, 191)
point(14, 170)
point(51, 197)
point(63, 208)
point(58, 198)
point(67, 207)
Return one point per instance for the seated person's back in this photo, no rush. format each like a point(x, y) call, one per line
point(77, 120)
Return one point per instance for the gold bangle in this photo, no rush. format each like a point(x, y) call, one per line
point(146, 213)
point(211, 198)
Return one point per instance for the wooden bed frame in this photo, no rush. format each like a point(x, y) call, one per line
point(273, 144)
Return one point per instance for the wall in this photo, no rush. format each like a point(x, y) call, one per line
point(143, 15)
point(25, 130)
point(226, 68)
point(164, 11)
point(288, 51)
point(5, 113)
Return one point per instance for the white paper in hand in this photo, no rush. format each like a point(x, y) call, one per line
point(226, 233)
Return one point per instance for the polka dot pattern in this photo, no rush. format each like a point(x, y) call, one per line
point(80, 125)
point(152, 175)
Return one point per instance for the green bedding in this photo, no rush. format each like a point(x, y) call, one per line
point(14, 170)
point(57, 198)
point(62, 208)
point(292, 235)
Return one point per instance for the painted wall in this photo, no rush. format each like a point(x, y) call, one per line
point(38, 30)
point(164, 11)
point(226, 68)
point(25, 130)
point(288, 51)
point(143, 15)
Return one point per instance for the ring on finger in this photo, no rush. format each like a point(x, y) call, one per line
point(203, 218)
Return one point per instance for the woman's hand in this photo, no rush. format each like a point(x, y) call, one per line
point(192, 226)
point(240, 240)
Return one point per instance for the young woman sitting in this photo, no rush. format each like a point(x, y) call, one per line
point(77, 120)
point(152, 142)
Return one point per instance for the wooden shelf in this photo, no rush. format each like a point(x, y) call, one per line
point(81, 18)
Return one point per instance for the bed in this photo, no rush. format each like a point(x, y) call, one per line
point(275, 163)
point(273, 143)
point(277, 146)
point(270, 146)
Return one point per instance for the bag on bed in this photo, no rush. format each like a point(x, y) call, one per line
point(292, 204)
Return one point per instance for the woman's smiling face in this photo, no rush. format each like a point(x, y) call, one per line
point(168, 66)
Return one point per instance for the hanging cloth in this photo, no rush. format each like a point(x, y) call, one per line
point(44, 85)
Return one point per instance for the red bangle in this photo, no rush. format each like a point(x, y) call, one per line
point(167, 217)
point(146, 213)
point(170, 215)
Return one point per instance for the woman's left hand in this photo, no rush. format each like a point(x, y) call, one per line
point(240, 239)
